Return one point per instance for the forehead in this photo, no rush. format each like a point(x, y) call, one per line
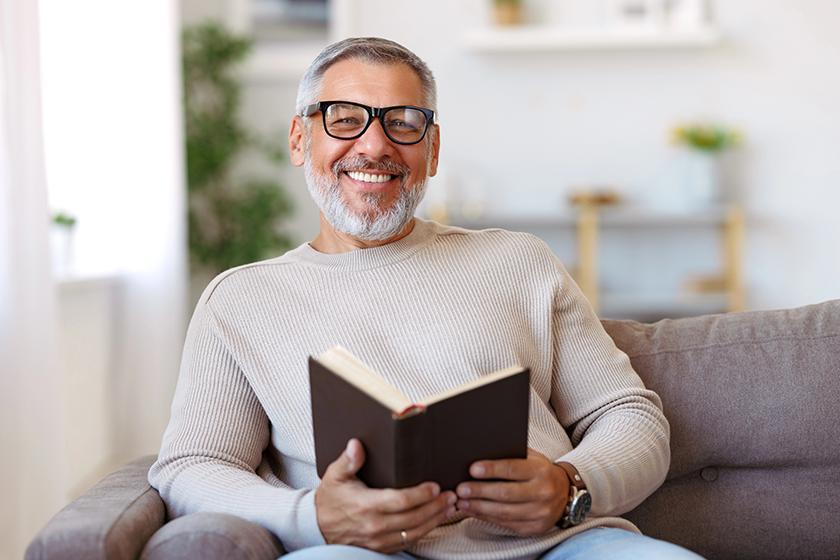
point(377, 85)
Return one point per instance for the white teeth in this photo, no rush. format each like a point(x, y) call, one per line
point(368, 178)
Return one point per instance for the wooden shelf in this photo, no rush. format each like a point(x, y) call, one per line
point(587, 223)
point(536, 38)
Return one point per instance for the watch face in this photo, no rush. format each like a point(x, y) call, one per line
point(579, 508)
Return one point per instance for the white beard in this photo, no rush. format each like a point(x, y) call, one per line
point(374, 223)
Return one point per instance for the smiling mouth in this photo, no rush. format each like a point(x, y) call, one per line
point(370, 177)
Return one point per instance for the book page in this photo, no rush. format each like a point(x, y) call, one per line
point(348, 367)
point(495, 376)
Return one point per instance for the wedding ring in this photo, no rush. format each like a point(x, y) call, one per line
point(404, 536)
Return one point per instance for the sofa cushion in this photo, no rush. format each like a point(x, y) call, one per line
point(752, 399)
point(113, 520)
point(212, 535)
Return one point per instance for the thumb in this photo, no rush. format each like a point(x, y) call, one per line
point(349, 462)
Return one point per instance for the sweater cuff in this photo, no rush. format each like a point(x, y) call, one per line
point(310, 532)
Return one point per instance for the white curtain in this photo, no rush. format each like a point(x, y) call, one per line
point(31, 448)
point(126, 150)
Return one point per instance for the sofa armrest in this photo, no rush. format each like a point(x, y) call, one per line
point(212, 536)
point(113, 520)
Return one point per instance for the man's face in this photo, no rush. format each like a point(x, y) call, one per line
point(368, 187)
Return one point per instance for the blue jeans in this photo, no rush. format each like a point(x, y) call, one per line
point(594, 544)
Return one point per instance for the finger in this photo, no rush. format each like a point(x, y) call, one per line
point(522, 518)
point(508, 492)
point(505, 469)
point(504, 511)
point(407, 499)
point(417, 517)
point(355, 452)
point(416, 524)
point(348, 463)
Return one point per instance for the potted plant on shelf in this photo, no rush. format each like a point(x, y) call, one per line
point(704, 143)
point(61, 242)
point(507, 12)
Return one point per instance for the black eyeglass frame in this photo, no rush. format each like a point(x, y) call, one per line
point(373, 112)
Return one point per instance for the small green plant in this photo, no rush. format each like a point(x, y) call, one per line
point(64, 220)
point(706, 137)
point(232, 221)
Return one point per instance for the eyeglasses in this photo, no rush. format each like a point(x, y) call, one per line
point(346, 120)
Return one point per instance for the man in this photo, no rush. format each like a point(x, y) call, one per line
point(413, 299)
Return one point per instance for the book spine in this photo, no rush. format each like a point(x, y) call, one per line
point(410, 450)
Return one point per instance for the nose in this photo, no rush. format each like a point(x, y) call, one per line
point(374, 143)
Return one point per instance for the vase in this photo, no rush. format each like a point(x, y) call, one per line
point(507, 13)
point(701, 180)
point(61, 246)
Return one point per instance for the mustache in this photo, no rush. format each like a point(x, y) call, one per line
point(385, 164)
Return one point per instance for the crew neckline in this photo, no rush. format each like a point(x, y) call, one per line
point(421, 235)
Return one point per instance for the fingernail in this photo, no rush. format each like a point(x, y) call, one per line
point(478, 470)
point(463, 504)
point(451, 511)
point(452, 499)
point(464, 491)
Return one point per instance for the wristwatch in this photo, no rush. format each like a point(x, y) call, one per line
point(580, 501)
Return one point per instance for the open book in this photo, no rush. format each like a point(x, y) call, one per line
point(407, 443)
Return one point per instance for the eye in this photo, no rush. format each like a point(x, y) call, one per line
point(401, 124)
point(345, 117)
point(344, 121)
point(405, 120)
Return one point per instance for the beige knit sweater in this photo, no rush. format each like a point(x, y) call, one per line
point(435, 309)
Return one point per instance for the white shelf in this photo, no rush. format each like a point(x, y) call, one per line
point(536, 38)
point(609, 217)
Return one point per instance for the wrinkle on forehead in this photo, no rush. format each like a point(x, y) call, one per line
point(376, 85)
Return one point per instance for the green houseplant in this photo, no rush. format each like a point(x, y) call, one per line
point(232, 220)
point(706, 137)
point(704, 143)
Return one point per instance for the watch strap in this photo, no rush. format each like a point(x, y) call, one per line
point(574, 476)
point(579, 502)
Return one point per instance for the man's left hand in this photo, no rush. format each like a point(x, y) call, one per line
point(525, 495)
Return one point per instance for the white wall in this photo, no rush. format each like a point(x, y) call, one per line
point(776, 75)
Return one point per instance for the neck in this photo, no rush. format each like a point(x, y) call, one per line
point(332, 241)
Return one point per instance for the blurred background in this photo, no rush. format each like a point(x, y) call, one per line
point(679, 156)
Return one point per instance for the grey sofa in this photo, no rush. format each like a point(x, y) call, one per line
point(754, 404)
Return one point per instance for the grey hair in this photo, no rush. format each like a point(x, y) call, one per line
point(373, 50)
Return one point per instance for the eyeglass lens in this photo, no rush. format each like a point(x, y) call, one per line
point(403, 124)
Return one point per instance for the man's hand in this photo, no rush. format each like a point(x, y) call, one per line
point(526, 495)
point(351, 513)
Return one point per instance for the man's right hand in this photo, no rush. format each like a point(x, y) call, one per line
point(351, 513)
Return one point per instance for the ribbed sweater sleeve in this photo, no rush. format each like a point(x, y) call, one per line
point(214, 445)
point(620, 434)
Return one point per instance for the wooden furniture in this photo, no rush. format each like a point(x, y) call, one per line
point(727, 285)
point(716, 292)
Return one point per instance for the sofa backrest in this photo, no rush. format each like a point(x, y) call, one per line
point(753, 400)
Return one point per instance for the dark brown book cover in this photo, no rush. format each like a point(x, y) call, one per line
point(437, 442)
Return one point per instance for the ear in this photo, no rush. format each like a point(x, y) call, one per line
point(433, 165)
point(297, 142)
